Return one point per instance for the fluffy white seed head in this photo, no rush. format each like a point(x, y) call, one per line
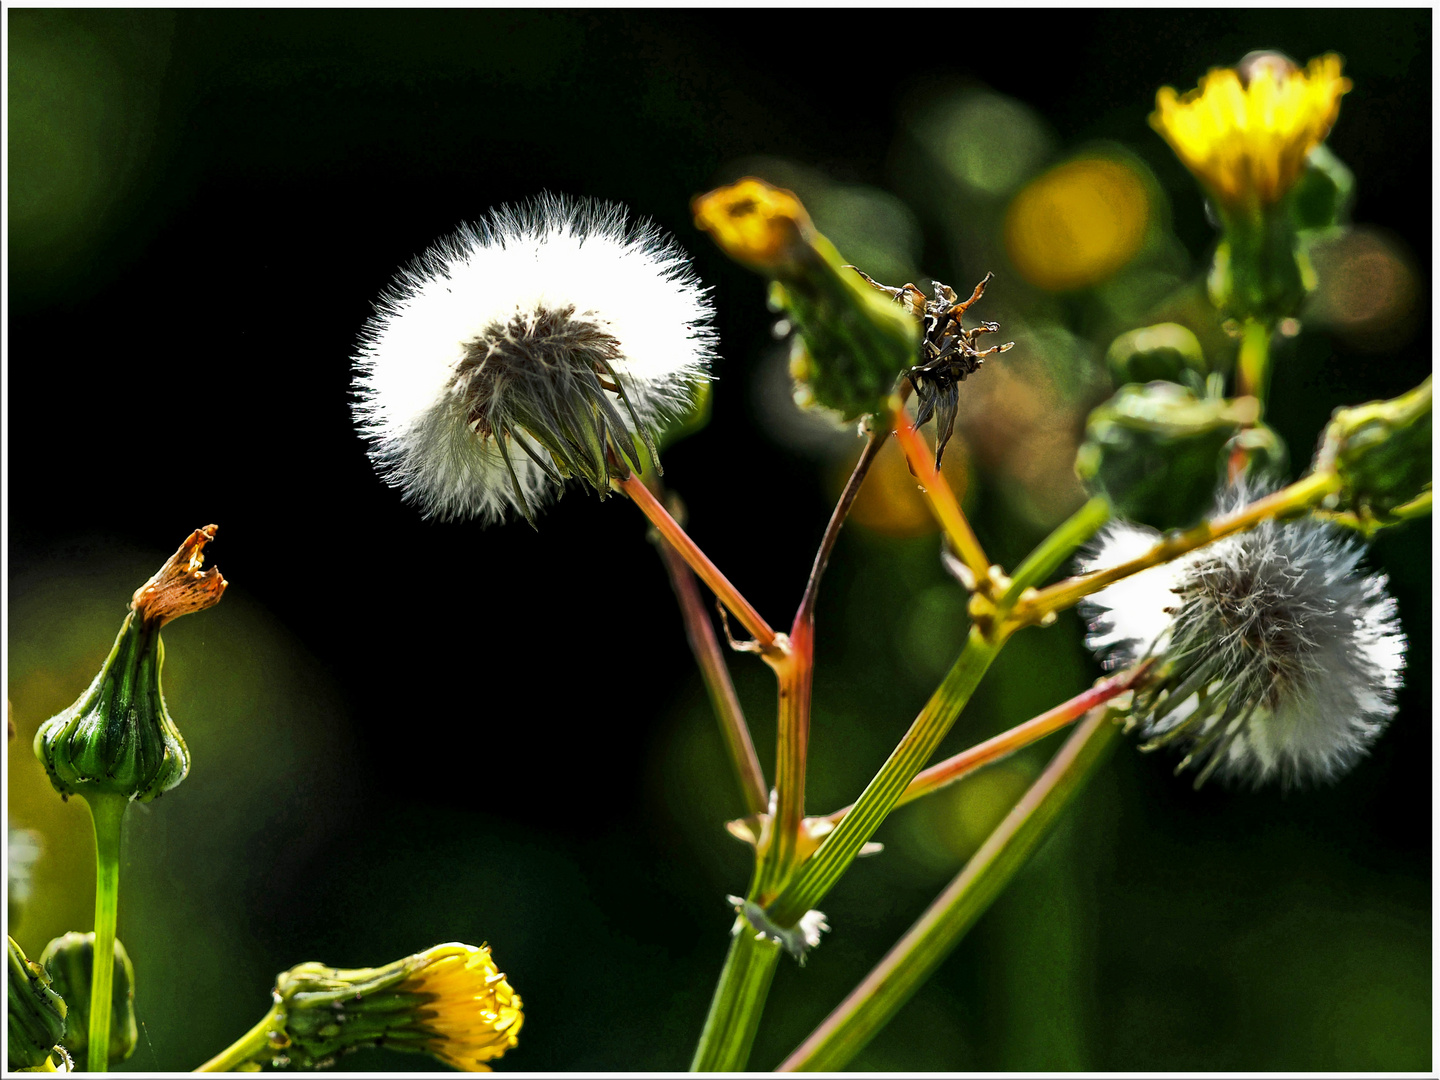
point(1281, 658)
point(539, 335)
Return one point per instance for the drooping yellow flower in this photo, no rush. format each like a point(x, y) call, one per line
point(449, 1001)
point(473, 1014)
point(755, 223)
point(853, 341)
point(1246, 133)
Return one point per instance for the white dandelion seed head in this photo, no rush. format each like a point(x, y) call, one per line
point(519, 327)
point(1282, 656)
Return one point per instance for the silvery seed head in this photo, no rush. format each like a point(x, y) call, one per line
point(1280, 656)
point(537, 344)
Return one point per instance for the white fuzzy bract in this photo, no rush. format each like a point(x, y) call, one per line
point(578, 265)
point(1281, 657)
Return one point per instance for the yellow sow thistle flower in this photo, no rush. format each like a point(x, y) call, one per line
point(1245, 132)
point(449, 1001)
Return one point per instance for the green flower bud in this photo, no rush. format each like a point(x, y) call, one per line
point(1158, 451)
point(1164, 351)
point(1260, 271)
point(853, 342)
point(1381, 453)
point(1322, 195)
point(118, 738)
point(69, 960)
point(449, 1001)
point(37, 1013)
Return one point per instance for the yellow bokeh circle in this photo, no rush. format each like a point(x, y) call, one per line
point(1077, 224)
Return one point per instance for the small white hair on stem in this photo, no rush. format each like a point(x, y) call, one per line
point(1281, 657)
point(521, 349)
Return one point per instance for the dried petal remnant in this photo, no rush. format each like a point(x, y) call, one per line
point(180, 587)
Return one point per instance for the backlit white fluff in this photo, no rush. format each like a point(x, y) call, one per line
point(1281, 657)
point(574, 269)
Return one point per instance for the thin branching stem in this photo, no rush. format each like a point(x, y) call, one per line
point(796, 675)
point(873, 446)
point(1298, 497)
point(1006, 743)
point(708, 572)
point(871, 1004)
point(711, 661)
point(818, 874)
point(247, 1050)
point(943, 502)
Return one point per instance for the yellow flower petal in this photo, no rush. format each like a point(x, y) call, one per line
point(474, 1014)
point(754, 222)
point(1247, 143)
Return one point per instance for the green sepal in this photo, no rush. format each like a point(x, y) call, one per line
point(1381, 452)
point(331, 1011)
point(118, 738)
point(1158, 451)
point(853, 342)
point(1260, 270)
point(69, 960)
point(1163, 352)
point(1266, 454)
point(37, 1013)
point(1321, 198)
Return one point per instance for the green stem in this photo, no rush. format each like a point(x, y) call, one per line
point(823, 869)
point(1056, 548)
point(718, 684)
point(871, 1004)
point(704, 569)
point(1253, 367)
point(943, 503)
point(254, 1044)
point(938, 777)
point(738, 1004)
point(795, 673)
point(108, 814)
point(1299, 497)
point(744, 984)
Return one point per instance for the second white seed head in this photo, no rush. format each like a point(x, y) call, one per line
point(1281, 657)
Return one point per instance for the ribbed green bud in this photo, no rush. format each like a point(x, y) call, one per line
point(1381, 453)
point(37, 1013)
point(69, 960)
point(1158, 451)
point(1164, 351)
point(118, 738)
point(853, 342)
point(1260, 271)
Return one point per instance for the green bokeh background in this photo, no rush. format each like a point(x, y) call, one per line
point(406, 733)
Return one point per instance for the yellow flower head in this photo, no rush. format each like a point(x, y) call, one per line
point(473, 1015)
point(448, 1001)
point(1246, 132)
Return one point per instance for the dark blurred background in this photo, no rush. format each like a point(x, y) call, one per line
point(406, 732)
